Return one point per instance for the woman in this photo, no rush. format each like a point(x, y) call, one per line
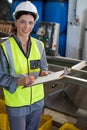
point(22, 59)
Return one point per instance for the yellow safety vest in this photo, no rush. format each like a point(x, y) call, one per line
point(19, 64)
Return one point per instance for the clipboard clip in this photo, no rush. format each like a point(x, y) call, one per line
point(67, 70)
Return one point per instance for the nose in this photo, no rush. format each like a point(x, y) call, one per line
point(27, 25)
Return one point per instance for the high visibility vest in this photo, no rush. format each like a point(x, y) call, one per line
point(18, 65)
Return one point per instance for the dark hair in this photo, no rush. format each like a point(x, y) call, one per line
point(18, 14)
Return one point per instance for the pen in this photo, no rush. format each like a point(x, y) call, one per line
point(30, 74)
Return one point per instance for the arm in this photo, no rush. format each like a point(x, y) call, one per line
point(6, 80)
point(44, 65)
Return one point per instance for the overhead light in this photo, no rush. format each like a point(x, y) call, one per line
point(10, 1)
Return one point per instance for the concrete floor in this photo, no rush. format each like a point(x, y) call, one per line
point(54, 128)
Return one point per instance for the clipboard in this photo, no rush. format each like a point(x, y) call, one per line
point(50, 77)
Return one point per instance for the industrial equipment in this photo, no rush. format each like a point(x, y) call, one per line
point(69, 94)
point(48, 32)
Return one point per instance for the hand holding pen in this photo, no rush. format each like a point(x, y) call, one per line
point(29, 79)
point(26, 80)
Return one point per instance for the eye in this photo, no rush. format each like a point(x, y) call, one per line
point(22, 21)
point(31, 22)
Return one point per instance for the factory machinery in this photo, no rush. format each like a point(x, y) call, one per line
point(66, 98)
point(69, 94)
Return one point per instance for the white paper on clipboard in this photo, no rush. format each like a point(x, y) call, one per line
point(49, 77)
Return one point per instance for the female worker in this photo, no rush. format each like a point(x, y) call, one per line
point(22, 59)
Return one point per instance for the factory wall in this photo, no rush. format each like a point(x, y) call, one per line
point(77, 15)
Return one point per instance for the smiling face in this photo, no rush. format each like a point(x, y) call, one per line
point(24, 25)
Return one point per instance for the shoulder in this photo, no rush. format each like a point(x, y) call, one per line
point(37, 41)
point(5, 41)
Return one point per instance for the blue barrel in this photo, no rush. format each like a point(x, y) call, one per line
point(39, 5)
point(33, 35)
point(62, 44)
point(57, 11)
point(13, 6)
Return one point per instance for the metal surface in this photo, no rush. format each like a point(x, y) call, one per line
point(69, 94)
point(62, 61)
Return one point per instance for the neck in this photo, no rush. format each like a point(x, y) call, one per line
point(23, 40)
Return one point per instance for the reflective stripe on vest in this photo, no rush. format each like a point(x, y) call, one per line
point(28, 95)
